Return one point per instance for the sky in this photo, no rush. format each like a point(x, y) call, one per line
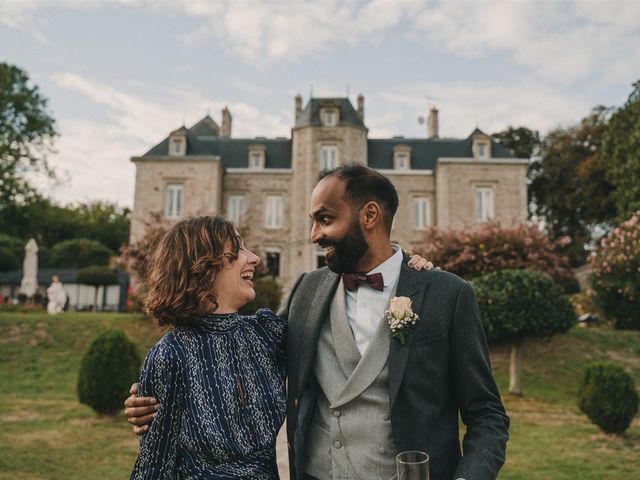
point(121, 74)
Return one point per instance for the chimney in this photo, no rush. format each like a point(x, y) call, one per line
point(225, 129)
point(361, 107)
point(298, 107)
point(432, 123)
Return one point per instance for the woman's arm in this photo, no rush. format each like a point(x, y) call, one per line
point(161, 378)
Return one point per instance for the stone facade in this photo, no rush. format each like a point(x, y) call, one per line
point(440, 182)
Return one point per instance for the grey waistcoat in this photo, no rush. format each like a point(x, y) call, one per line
point(350, 435)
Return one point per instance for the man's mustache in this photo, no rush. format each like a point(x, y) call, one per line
point(327, 243)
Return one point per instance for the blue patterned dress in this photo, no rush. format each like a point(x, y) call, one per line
point(220, 385)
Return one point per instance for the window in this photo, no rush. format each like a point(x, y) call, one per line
point(481, 150)
point(273, 212)
point(484, 204)
point(421, 213)
point(256, 160)
point(402, 161)
point(173, 201)
point(329, 118)
point(273, 262)
point(236, 208)
point(328, 157)
point(177, 146)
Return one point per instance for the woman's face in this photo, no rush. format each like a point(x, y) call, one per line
point(234, 282)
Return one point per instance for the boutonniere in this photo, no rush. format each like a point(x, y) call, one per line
point(400, 317)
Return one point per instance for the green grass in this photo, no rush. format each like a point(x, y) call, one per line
point(46, 434)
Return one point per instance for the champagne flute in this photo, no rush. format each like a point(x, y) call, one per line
point(412, 465)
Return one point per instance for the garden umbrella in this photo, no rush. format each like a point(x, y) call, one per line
point(29, 283)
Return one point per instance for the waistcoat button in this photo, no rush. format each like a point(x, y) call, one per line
point(336, 413)
point(337, 444)
point(386, 417)
point(381, 451)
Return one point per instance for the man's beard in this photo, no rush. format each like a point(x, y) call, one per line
point(348, 250)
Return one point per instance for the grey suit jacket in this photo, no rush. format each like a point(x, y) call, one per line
point(441, 371)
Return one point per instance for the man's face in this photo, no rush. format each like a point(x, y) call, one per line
point(335, 226)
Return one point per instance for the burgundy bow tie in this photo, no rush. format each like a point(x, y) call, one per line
point(353, 280)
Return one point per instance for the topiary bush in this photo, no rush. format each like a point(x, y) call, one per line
point(109, 367)
point(268, 295)
point(616, 274)
point(78, 253)
point(97, 276)
point(608, 396)
point(519, 304)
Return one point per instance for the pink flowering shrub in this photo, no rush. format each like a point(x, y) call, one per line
point(486, 247)
point(616, 274)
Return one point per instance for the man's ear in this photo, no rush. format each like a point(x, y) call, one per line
point(370, 215)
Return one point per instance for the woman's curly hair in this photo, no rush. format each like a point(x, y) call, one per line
point(179, 283)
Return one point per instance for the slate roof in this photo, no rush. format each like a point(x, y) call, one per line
point(425, 151)
point(310, 115)
point(203, 140)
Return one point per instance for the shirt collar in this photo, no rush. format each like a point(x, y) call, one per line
point(390, 268)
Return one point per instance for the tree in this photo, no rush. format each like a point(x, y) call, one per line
point(105, 222)
point(26, 135)
point(621, 152)
point(519, 304)
point(79, 253)
point(97, 276)
point(489, 246)
point(8, 260)
point(568, 185)
point(522, 141)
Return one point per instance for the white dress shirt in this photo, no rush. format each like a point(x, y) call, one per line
point(365, 306)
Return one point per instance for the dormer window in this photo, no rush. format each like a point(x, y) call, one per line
point(480, 145)
point(402, 157)
point(177, 144)
point(329, 117)
point(256, 157)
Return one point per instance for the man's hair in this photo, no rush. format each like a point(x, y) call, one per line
point(364, 184)
point(178, 286)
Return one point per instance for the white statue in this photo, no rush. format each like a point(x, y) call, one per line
point(56, 295)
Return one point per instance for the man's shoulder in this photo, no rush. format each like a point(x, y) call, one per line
point(441, 278)
point(316, 276)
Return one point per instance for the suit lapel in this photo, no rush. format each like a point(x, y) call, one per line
point(318, 313)
point(411, 284)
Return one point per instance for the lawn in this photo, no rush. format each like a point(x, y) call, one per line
point(46, 434)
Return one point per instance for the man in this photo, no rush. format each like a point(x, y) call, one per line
point(358, 394)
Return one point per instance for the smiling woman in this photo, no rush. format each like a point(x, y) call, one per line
point(218, 376)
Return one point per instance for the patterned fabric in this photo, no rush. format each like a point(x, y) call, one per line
point(220, 385)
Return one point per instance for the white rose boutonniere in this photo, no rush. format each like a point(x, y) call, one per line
point(400, 317)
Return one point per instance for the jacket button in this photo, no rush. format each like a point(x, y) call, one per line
point(337, 444)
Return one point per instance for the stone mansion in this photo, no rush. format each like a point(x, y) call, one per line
point(265, 184)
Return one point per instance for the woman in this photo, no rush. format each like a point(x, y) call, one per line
point(218, 376)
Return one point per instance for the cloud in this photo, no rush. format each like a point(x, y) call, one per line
point(559, 42)
point(95, 153)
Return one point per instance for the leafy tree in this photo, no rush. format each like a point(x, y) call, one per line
point(616, 274)
point(97, 276)
point(522, 141)
point(621, 152)
point(14, 244)
point(79, 253)
point(519, 304)
point(8, 260)
point(105, 222)
point(26, 135)
point(489, 246)
point(568, 185)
